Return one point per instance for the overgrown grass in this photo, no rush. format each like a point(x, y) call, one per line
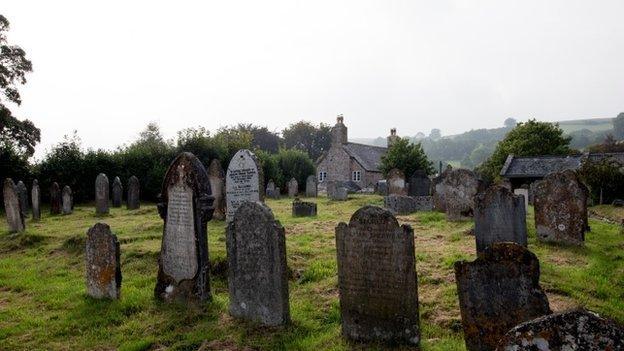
point(43, 304)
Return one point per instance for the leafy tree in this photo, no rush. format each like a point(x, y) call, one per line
point(306, 137)
point(618, 126)
point(270, 167)
point(604, 177)
point(510, 122)
point(406, 156)
point(608, 145)
point(261, 137)
point(435, 134)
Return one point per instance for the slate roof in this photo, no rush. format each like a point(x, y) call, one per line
point(541, 166)
point(368, 156)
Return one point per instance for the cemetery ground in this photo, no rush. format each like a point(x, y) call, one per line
point(43, 302)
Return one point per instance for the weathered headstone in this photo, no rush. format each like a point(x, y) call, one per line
point(270, 189)
point(396, 183)
point(311, 186)
point(14, 214)
point(560, 201)
point(133, 200)
point(55, 199)
point(243, 181)
point(101, 194)
point(338, 194)
point(303, 208)
point(217, 186)
point(293, 187)
point(102, 263)
point(401, 204)
point(377, 278)
point(456, 191)
point(22, 193)
point(35, 194)
point(525, 193)
point(497, 291)
point(117, 192)
point(381, 187)
point(566, 331)
point(67, 200)
point(257, 272)
point(500, 216)
point(419, 184)
point(186, 206)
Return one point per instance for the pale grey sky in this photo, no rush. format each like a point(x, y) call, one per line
point(107, 68)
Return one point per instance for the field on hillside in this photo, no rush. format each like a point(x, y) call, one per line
point(43, 303)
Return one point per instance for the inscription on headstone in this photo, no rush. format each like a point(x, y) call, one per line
point(101, 194)
point(217, 185)
point(311, 186)
point(22, 193)
point(293, 187)
point(14, 214)
point(133, 201)
point(179, 249)
point(243, 181)
point(67, 200)
point(35, 194)
point(55, 199)
point(117, 192)
point(102, 263)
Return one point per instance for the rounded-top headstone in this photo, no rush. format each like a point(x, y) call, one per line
point(293, 187)
point(101, 194)
point(243, 181)
point(55, 199)
point(311, 186)
point(102, 263)
point(133, 200)
point(117, 192)
point(14, 214)
point(35, 194)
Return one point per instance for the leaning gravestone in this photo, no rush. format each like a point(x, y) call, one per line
point(377, 278)
point(133, 201)
point(311, 186)
point(497, 291)
point(257, 272)
point(458, 189)
point(186, 207)
point(117, 192)
point(500, 216)
point(570, 330)
point(55, 199)
point(243, 181)
point(67, 200)
point(560, 201)
point(102, 263)
point(217, 186)
point(101, 194)
point(22, 193)
point(419, 184)
point(35, 194)
point(303, 208)
point(293, 187)
point(14, 214)
point(525, 193)
point(396, 183)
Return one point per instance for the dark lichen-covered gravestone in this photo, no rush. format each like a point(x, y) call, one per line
point(567, 331)
point(101, 194)
point(186, 207)
point(67, 200)
point(55, 199)
point(217, 186)
point(496, 292)
point(117, 192)
point(102, 263)
point(303, 208)
point(396, 183)
point(311, 186)
point(22, 193)
point(35, 194)
point(500, 216)
point(243, 181)
point(293, 187)
point(377, 278)
point(560, 201)
point(257, 272)
point(133, 200)
point(419, 184)
point(456, 191)
point(14, 214)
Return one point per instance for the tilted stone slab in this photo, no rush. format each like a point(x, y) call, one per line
point(13, 211)
point(103, 268)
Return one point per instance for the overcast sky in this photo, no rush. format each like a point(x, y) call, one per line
point(107, 68)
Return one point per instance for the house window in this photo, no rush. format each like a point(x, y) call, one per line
point(357, 176)
point(322, 176)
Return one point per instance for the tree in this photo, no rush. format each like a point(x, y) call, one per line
point(261, 137)
point(618, 126)
point(510, 122)
point(406, 156)
point(306, 137)
point(435, 134)
point(604, 178)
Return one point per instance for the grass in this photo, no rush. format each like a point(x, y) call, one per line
point(43, 304)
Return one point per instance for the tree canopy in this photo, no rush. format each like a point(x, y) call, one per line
point(406, 156)
point(307, 137)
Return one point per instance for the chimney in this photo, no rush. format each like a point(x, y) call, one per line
point(339, 131)
point(392, 138)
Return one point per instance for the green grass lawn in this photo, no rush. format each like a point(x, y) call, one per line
point(43, 304)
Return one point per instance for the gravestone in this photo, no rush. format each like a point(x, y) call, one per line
point(22, 193)
point(396, 183)
point(497, 291)
point(101, 194)
point(186, 206)
point(560, 202)
point(270, 188)
point(133, 200)
point(338, 194)
point(35, 194)
point(311, 186)
point(303, 209)
point(293, 187)
point(570, 330)
point(377, 278)
point(117, 192)
point(67, 200)
point(381, 187)
point(500, 216)
point(456, 192)
point(257, 272)
point(419, 184)
point(55, 199)
point(14, 214)
point(401, 204)
point(243, 181)
point(525, 193)
point(102, 263)
point(217, 186)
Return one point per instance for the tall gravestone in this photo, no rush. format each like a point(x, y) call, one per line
point(419, 184)
point(525, 193)
point(311, 186)
point(293, 187)
point(101, 194)
point(497, 291)
point(377, 278)
point(500, 216)
point(102, 263)
point(186, 206)
point(55, 199)
point(439, 200)
point(22, 193)
point(35, 194)
point(243, 181)
point(133, 200)
point(14, 214)
point(67, 200)
point(217, 185)
point(458, 189)
point(117, 192)
point(396, 183)
point(257, 272)
point(560, 202)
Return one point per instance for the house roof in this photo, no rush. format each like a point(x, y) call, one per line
point(368, 156)
point(541, 166)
